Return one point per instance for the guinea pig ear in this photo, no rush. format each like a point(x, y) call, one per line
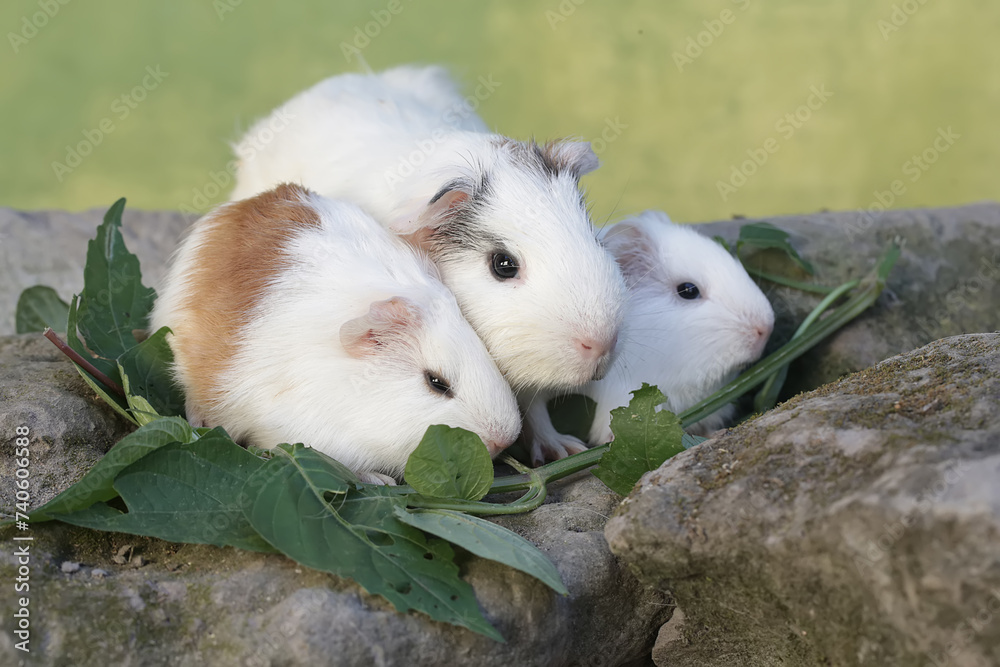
point(576, 157)
point(385, 323)
point(418, 219)
point(632, 248)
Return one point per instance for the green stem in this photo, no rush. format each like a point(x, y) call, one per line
point(768, 394)
point(817, 331)
point(823, 305)
point(535, 483)
point(788, 282)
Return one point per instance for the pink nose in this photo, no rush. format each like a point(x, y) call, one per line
point(494, 447)
point(590, 348)
point(761, 333)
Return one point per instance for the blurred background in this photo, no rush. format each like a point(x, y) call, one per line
point(706, 109)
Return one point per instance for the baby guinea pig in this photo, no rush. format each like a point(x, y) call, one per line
point(297, 318)
point(503, 220)
point(694, 319)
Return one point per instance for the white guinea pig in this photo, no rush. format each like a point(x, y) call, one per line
point(297, 318)
point(503, 220)
point(694, 319)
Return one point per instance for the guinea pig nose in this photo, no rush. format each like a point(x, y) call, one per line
point(590, 348)
point(494, 446)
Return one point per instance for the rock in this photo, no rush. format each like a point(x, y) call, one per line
point(194, 605)
point(69, 427)
point(201, 605)
point(858, 524)
point(946, 282)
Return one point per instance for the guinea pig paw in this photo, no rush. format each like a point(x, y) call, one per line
point(557, 447)
point(369, 477)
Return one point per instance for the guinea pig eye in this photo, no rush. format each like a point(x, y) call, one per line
point(438, 384)
point(688, 291)
point(504, 266)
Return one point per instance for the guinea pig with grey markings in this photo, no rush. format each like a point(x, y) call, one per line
point(694, 319)
point(504, 220)
point(297, 318)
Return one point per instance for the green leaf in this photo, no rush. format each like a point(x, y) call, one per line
point(114, 302)
point(109, 368)
point(886, 262)
point(450, 463)
point(644, 438)
point(487, 540)
point(183, 492)
point(688, 440)
point(97, 484)
point(765, 235)
point(147, 367)
point(39, 307)
point(308, 509)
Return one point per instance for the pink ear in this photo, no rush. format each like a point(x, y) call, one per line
point(418, 217)
point(386, 323)
point(576, 157)
point(632, 249)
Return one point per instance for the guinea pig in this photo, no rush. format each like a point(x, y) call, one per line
point(297, 318)
point(504, 220)
point(694, 319)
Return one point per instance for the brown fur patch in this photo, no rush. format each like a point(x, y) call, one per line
point(241, 254)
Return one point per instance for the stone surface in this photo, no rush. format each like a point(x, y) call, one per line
point(106, 598)
point(50, 248)
point(946, 282)
point(199, 605)
point(69, 427)
point(858, 524)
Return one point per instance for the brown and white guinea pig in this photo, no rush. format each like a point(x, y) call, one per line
point(694, 319)
point(503, 220)
point(297, 318)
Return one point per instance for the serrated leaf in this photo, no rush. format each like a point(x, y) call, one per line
point(106, 366)
point(97, 484)
point(114, 302)
point(314, 514)
point(486, 540)
point(450, 463)
point(147, 367)
point(765, 235)
point(644, 438)
point(39, 307)
point(183, 492)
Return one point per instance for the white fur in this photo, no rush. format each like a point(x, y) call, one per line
point(391, 142)
point(291, 379)
point(688, 348)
